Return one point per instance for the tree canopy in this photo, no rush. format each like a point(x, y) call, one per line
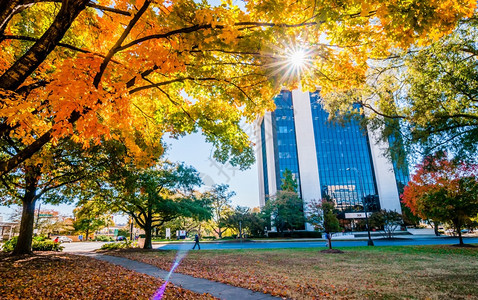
point(93, 70)
point(424, 97)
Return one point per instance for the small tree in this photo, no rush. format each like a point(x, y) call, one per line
point(389, 220)
point(285, 211)
point(243, 219)
point(323, 217)
point(90, 217)
point(286, 208)
point(220, 199)
point(444, 190)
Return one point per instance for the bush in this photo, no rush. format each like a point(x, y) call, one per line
point(47, 245)
point(40, 238)
point(38, 244)
point(295, 234)
point(103, 238)
point(119, 245)
point(9, 245)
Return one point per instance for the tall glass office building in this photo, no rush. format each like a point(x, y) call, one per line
point(341, 162)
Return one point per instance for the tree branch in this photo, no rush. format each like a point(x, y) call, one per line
point(118, 43)
point(12, 78)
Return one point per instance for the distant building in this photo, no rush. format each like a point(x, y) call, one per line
point(344, 163)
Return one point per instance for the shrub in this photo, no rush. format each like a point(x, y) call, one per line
point(103, 238)
point(119, 245)
point(295, 234)
point(46, 245)
point(40, 238)
point(38, 244)
point(9, 245)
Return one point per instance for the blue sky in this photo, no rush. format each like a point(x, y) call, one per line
point(194, 151)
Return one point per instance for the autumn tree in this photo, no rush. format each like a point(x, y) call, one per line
point(444, 190)
point(156, 195)
point(322, 215)
point(220, 198)
point(90, 70)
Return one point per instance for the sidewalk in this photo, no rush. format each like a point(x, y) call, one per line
point(197, 285)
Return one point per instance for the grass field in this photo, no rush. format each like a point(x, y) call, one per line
point(62, 276)
point(412, 272)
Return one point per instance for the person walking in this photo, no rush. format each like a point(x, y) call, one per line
point(196, 240)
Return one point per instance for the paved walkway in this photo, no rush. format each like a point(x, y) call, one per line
point(198, 285)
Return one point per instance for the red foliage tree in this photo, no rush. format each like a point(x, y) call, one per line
point(444, 190)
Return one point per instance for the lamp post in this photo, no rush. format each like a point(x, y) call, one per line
point(359, 175)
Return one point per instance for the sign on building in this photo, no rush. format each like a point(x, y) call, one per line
point(359, 215)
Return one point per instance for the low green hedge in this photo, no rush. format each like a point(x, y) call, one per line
point(38, 244)
point(103, 238)
point(295, 234)
point(119, 245)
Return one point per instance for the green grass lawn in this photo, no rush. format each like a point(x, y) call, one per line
point(389, 272)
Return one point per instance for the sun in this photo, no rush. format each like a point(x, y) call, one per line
point(298, 58)
point(291, 62)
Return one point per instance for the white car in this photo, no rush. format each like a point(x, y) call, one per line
point(64, 239)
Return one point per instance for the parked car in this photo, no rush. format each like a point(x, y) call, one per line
point(64, 239)
point(121, 238)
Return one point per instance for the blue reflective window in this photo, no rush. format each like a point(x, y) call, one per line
point(402, 175)
point(344, 159)
point(285, 145)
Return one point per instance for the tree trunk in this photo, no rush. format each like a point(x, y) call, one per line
point(459, 235)
point(24, 244)
point(329, 237)
point(87, 233)
point(435, 228)
point(147, 231)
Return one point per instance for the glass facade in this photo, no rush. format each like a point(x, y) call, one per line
point(344, 161)
point(264, 159)
point(402, 175)
point(285, 145)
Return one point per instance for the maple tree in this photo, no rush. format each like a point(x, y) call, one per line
point(88, 70)
point(444, 190)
